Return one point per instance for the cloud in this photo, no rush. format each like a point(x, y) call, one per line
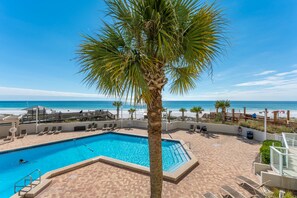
point(293, 72)
point(265, 73)
point(279, 79)
point(12, 91)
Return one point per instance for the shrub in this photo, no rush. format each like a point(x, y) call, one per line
point(265, 149)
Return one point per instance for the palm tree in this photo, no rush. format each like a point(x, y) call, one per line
point(197, 110)
point(131, 111)
point(146, 42)
point(183, 110)
point(222, 104)
point(117, 104)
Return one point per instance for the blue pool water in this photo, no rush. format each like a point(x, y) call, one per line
point(49, 157)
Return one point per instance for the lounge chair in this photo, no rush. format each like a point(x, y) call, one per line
point(105, 127)
point(204, 129)
point(191, 129)
point(198, 129)
point(109, 127)
point(253, 185)
point(23, 133)
point(209, 195)
point(115, 126)
point(231, 192)
point(52, 131)
point(59, 130)
point(45, 131)
point(94, 128)
point(9, 137)
point(89, 128)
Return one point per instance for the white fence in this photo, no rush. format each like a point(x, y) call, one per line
point(216, 128)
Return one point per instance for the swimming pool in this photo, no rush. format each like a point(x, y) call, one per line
point(128, 148)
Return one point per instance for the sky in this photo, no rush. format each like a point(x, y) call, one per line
point(39, 41)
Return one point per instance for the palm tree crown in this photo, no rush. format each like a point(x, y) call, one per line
point(117, 104)
point(197, 110)
point(131, 111)
point(223, 104)
point(150, 43)
point(183, 110)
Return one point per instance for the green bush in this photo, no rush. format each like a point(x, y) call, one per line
point(275, 194)
point(265, 149)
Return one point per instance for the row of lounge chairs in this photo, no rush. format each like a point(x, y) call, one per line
point(198, 128)
point(54, 130)
point(243, 182)
point(22, 134)
point(93, 127)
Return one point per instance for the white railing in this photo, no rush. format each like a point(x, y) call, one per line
point(281, 160)
point(277, 161)
point(289, 139)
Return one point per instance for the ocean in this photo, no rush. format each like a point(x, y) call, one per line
point(17, 107)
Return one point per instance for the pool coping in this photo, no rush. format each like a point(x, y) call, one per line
point(174, 177)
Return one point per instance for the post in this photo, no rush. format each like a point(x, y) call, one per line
point(275, 116)
point(122, 117)
point(36, 111)
point(265, 124)
point(288, 116)
point(244, 113)
point(281, 164)
point(233, 115)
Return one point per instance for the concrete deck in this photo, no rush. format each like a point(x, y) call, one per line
point(221, 159)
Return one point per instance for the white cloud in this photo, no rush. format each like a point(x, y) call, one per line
point(12, 91)
point(293, 72)
point(265, 73)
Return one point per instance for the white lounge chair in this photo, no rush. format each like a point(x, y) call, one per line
point(192, 128)
point(9, 137)
point(23, 133)
point(89, 128)
point(45, 131)
point(52, 131)
point(59, 130)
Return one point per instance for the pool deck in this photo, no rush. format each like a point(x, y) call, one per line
point(221, 158)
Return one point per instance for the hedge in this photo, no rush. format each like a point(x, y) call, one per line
point(265, 149)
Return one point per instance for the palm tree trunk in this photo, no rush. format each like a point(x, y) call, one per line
point(223, 116)
point(155, 148)
point(183, 116)
point(118, 112)
point(197, 116)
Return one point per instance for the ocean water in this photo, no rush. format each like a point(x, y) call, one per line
point(16, 107)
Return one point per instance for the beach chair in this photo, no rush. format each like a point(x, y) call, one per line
point(89, 128)
point(59, 130)
point(94, 128)
point(9, 137)
point(209, 195)
point(251, 184)
point(198, 129)
point(115, 126)
point(23, 133)
point(191, 129)
point(52, 131)
point(109, 127)
point(105, 127)
point(45, 131)
point(231, 192)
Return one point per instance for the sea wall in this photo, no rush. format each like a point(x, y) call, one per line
point(215, 128)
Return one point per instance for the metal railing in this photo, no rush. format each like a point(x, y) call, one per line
point(289, 139)
point(27, 181)
point(281, 160)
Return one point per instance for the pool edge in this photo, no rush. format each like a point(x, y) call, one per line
point(173, 177)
